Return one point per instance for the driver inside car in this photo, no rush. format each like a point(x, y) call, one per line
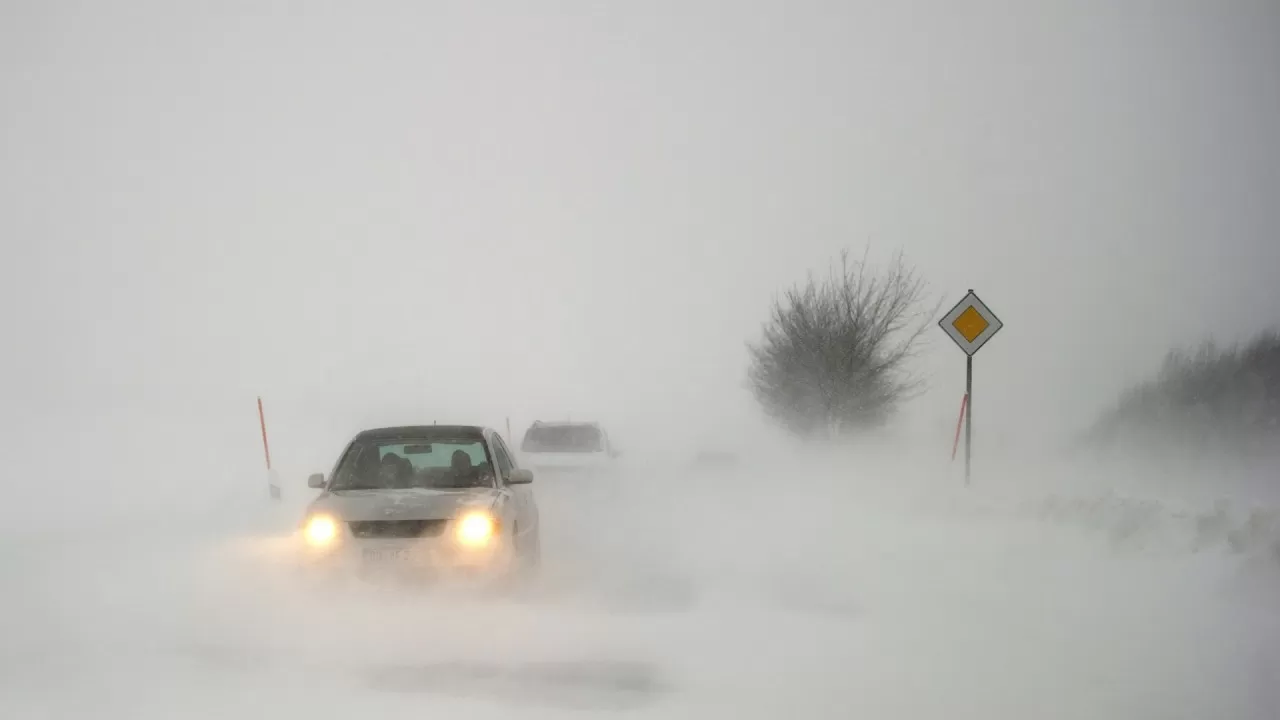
point(394, 472)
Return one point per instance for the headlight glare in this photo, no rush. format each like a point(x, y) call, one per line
point(320, 530)
point(475, 529)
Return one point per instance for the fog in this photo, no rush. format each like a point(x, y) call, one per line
point(455, 213)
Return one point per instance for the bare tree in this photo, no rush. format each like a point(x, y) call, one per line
point(833, 355)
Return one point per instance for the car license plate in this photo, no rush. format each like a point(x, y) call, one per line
point(386, 555)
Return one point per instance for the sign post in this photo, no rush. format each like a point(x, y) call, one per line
point(970, 324)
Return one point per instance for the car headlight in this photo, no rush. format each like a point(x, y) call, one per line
point(320, 530)
point(475, 529)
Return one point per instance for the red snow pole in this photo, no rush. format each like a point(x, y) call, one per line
point(272, 486)
point(959, 423)
point(262, 421)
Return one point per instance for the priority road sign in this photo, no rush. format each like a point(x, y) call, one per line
point(971, 324)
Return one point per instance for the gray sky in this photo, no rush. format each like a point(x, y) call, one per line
point(465, 210)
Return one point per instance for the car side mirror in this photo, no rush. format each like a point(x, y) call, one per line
point(316, 481)
point(520, 476)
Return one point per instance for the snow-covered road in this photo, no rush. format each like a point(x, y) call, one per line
point(759, 604)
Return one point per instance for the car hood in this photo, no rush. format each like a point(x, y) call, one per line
point(410, 504)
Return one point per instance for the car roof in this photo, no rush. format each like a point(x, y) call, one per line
point(565, 423)
point(423, 431)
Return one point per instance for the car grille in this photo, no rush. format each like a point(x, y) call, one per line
point(366, 529)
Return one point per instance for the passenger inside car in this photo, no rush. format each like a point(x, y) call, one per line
point(463, 474)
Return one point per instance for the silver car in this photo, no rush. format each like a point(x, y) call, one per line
point(560, 448)
point(435, 502)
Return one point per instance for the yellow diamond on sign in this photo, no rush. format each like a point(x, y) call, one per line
point(970, 324)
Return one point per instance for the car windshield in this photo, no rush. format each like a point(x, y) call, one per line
point(563, 438)
point(402, 463)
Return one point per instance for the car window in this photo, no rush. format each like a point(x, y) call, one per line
point(439, 456)
point(427, 463)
